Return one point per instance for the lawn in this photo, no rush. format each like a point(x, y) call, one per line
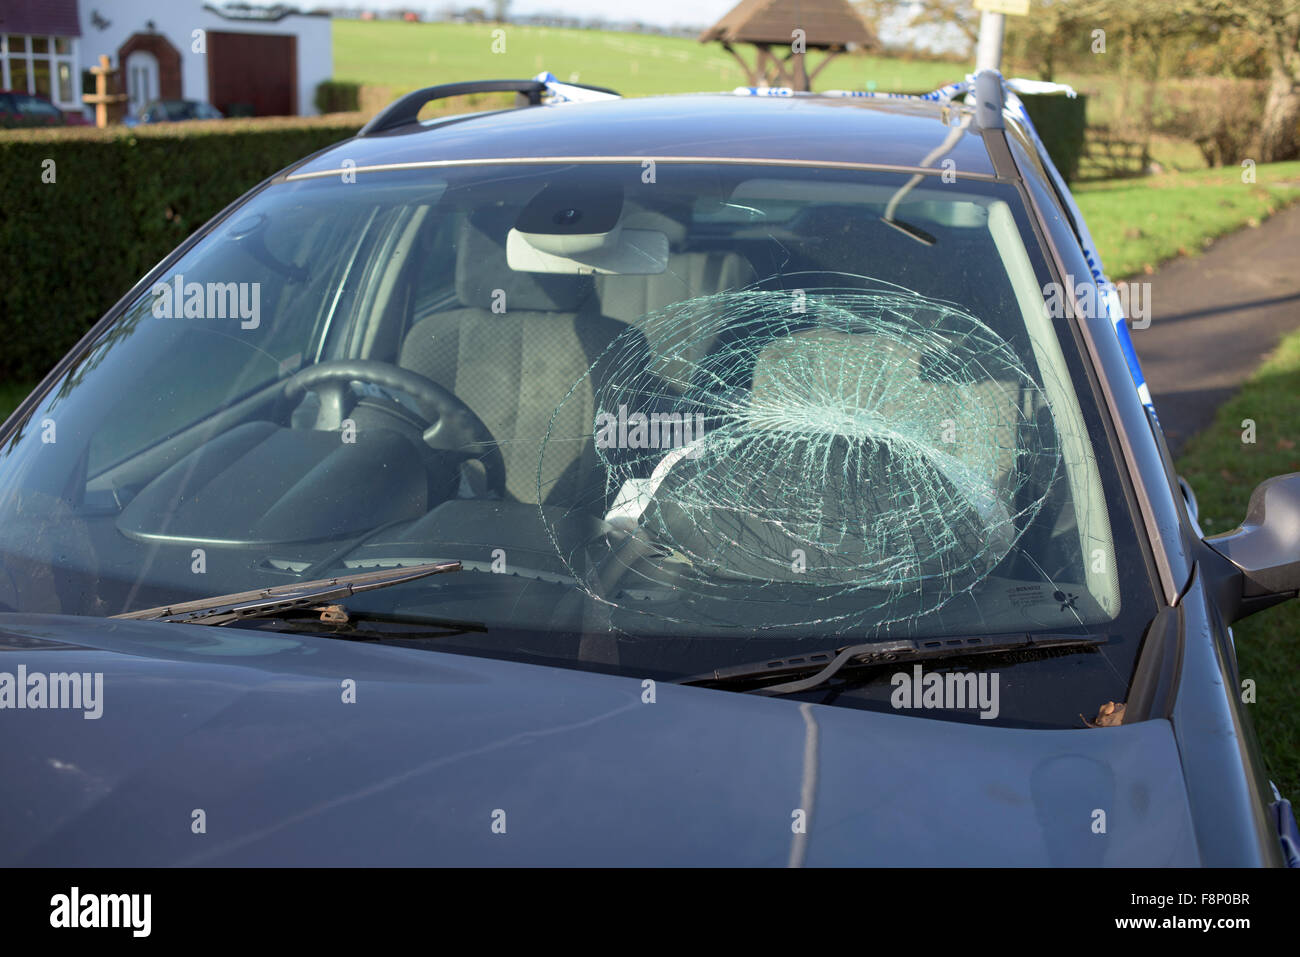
point(1140, 223)
point(1223, 470)
point(407, 56)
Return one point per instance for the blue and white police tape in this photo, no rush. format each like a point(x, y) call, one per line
point(557, 92)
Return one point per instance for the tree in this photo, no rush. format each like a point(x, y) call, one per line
point(1055, 30)
point(938, 13)
point(1145, 30)
point(958, 13)
point(1277, 23)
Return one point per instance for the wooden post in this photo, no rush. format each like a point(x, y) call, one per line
point(800, 81)
point(109, 107)
point(751, 74)
point(831, 53)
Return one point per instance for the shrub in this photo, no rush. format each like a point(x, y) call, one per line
point(338, 96)
point(121, 201)
point(1061, 122)
point(1221, 116)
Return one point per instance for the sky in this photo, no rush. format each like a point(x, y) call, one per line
point(666, 13)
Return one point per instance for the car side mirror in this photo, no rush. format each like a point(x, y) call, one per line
point(1265, 549)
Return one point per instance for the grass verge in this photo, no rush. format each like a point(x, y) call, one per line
point(1223, 470)
point(1140, 223)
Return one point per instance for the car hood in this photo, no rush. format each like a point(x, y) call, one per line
point(229, 747)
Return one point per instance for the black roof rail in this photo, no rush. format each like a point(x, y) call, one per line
point(404, 111)
point(407, 109)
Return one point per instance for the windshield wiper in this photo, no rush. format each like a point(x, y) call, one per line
point(825, 665)
point(282, 599)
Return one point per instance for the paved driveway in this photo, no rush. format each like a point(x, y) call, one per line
point(1215, 317)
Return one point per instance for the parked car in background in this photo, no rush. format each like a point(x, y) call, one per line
point(173, 111)
point(28, 109)
point(693, 480)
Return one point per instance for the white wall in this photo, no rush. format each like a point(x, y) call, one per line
point(178, 19)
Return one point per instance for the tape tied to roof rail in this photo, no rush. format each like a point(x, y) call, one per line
point(557, 92)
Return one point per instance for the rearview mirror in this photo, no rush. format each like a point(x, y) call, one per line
point(577, 228)
point(620, 252)
point(1265, 549)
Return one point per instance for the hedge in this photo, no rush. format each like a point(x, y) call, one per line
point(338, 96)
point(1061, 122)
point(121, 200)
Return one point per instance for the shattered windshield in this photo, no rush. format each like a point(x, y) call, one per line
point(667, 416)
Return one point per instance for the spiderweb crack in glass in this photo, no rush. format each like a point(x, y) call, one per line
point(864, 443)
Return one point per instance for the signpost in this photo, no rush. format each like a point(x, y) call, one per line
point(988, 52)
point(1017, 8)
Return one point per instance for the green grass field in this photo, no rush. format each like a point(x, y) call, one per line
point(1223, 470)
point(406, 56)
point(1140, 223)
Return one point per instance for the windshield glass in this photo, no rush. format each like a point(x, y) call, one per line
point(669, 419)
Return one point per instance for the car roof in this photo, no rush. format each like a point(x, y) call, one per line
point(801, 128)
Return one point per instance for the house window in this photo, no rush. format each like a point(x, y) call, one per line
point(40, 65)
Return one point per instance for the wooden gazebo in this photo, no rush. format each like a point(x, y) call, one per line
point(831, 26)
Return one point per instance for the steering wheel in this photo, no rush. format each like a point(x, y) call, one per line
point(452, 426)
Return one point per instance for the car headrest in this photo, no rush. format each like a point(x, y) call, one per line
point(838, 375)
point(689, 275)
point(482, 270)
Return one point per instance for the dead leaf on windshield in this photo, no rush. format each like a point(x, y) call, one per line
point(1110, 715)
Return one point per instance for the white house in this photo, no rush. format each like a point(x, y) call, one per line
point(242, 58)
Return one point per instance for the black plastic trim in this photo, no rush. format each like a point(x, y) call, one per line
point(406, 110)
point(1155, 679)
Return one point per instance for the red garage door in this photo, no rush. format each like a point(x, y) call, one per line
point(256, 70)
